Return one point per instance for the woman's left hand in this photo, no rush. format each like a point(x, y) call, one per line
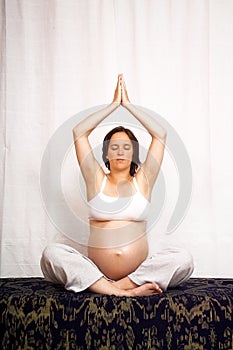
point(124, 94)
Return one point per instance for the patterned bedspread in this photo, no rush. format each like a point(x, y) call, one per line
point(35, 314)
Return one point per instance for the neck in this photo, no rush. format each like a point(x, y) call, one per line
point(116, 177)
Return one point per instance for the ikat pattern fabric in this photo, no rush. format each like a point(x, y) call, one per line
point(36, 314)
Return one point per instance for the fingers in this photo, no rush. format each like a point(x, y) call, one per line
point(124, 94)
point(120, 80)
point(117, 94)
point(121, 95)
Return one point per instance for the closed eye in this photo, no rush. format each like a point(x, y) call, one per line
point(127, 147)
point(114, 147)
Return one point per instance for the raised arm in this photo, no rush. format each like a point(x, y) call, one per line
point(89, 166)
point(150, 168)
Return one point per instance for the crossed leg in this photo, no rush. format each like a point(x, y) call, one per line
point(171, 266)
point(124, 287)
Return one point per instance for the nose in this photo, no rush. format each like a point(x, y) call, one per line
point(120, 150)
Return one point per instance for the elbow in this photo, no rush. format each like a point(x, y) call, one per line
point(163, 136)
point(79, 132)
point(76, 133)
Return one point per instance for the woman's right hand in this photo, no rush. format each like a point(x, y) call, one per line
point(117, 94)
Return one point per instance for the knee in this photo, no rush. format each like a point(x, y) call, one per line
point(51, 253)
point(185, 262)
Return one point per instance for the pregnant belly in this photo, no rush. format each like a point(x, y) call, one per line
point(117, 262)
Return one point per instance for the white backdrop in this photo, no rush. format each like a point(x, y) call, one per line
point(61, 57)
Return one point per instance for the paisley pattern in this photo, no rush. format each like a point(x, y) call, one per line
point(36, 314)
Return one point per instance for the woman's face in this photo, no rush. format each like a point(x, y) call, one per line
point(120, 151)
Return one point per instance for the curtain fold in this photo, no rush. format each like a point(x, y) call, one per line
point(2, 111)
point(59, 58)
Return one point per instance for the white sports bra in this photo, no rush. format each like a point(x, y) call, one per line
point(103, 207)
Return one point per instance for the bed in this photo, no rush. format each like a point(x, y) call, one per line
point(36, 314)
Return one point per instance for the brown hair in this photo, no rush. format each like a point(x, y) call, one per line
point(135, 161)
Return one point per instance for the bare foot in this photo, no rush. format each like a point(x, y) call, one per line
point(125, 283)
point(102, 286)
point(145, 289)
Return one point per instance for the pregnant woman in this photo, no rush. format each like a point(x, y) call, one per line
point(118, 260)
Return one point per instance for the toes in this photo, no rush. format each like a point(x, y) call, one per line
point(157, 288)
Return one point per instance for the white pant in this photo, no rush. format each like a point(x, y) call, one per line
point(63, 264)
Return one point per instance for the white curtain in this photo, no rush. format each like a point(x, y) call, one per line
point(61, 57)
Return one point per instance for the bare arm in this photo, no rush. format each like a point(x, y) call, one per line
point(150, 168)
point(88, 164)
point(85, 127)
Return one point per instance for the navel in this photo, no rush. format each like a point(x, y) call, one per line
point(118, 253)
